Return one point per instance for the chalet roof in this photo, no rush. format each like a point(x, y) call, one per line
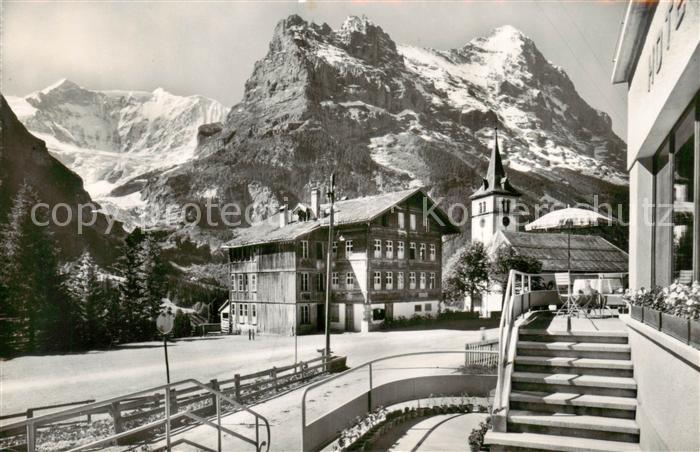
point(346, 212)
point(589, 253)
point(496, 181)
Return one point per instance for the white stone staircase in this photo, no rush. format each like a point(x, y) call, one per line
point(570, 391)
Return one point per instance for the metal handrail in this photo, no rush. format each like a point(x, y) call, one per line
point(32, 423)
point(368, 364)
point(505, 329)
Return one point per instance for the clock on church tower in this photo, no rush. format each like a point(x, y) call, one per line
point(493, 205)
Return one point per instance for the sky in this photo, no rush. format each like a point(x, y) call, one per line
point(210, 47)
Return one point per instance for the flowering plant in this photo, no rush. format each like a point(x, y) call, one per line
point(678, 299)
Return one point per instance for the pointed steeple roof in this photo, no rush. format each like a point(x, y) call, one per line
point(496, 181)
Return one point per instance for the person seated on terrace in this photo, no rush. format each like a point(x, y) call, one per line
point(588, 297)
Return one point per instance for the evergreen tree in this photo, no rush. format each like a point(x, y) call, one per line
point(132, 290)
point(82, 285)
point(182, 327)
point(154, 272)
point(32, 283)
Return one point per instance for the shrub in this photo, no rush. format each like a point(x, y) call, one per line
point(476, 437)
point(182, 327)
point(677, 299)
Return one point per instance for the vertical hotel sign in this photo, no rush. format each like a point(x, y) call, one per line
point(674, 14)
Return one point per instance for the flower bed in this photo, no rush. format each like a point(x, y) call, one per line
point(674, 310)
point(365, 433)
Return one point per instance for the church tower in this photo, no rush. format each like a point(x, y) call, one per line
point(494, 203)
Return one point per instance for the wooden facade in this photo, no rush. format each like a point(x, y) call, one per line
point(380, 268)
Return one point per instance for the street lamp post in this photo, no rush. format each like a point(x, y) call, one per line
point(331, 200)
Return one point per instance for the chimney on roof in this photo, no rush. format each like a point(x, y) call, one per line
point(316, 202)
point(283, 216)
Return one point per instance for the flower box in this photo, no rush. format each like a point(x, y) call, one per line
point(674, 326)
point(637, 313)
point(694, 334)
point(652, 317)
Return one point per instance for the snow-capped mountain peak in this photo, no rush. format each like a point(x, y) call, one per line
point(110, 137)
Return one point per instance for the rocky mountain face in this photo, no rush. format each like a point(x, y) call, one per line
point(109, 137)
point(25, 159)
point(383, 116)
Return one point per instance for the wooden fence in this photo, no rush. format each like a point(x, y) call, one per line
point(481, 359)
point(128, 413)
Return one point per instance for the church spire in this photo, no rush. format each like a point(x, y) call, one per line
point(496, 180)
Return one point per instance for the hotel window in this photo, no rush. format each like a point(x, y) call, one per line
point(377, 248)
point(334, 280)
point(253, 283)
point(399, 250)
point(240, 312)
point(432, 252)
point(389, 245)
point(676, 206)
point(305, 314)
point(417, 308)
point(349, 280)
point(335, 248)
point(304, 282)
point(245, 311)
point(399, 280)
point(389, 280)
point(432, 280)
point(240, 282)
point(412, 280)
point(304, 249)
point(422, 251)
point(335, 313)
point(377, 280)
point(412, 221)
point(319, 250)
point(422, 280)
point(402, 220)
point(320, 282)
point(245, 283)
point(348, 248)
point(412, 251)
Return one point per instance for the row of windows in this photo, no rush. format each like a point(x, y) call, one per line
point(243, 254)
point(381, 249)
point(241, 282)
point(389, 250)
point(243, 310)
point(420, 308)
point(388, 280)
point(320, 282)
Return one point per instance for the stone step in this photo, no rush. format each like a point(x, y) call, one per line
point(564, 420)
point(535, 335)
point(582, 366)
point(513, 441)
point(582, 384)
point(574, 349)
point(574, 403)
point(582, 426)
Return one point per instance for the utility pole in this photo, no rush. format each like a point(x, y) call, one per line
point(331, 200)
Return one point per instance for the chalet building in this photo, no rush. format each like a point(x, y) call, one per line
point(386, 263)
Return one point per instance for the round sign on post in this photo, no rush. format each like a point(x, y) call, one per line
point(165, 322)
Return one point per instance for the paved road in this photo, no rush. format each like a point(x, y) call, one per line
point(34, 381)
